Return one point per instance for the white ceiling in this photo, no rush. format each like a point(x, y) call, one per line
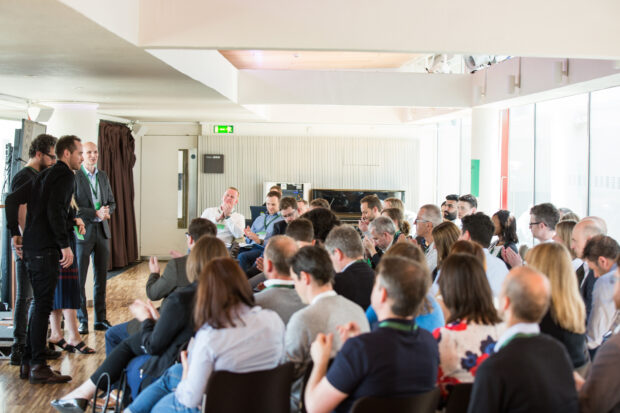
point(49, 52)
point(156, 60)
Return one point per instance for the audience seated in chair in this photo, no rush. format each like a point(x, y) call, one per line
point(566, 318)
point(233, 335)
point(381, 238)
point(601, 390)
point(161, 336)
point(312, 273)
point(354, 277)
point(430, 315)
point(279, 294)
point(174, 277)
point(473, 325)
point(396, 360)
point(529, 372)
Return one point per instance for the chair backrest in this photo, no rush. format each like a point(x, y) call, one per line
point(420, 403)
point(458, 400)
point(264, 391)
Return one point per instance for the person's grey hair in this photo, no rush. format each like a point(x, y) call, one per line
point(530, 300)
point(346, 239)
point(382, 225)
point(432, 214)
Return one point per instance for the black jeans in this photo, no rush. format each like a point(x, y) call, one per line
point(43, 269)
point(23, 301)
point(97, 246)
point(116, 362)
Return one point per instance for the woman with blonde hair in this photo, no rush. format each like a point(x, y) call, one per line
point(566, 318)
point(563, 235)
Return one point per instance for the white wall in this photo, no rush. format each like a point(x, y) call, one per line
point(326, 162)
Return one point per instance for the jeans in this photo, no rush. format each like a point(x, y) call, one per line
point(248, 257)
point(134, 375)
point(159, 396)
point(23, 302)
point(97, 246)
point(114, 335)
point(43, 269)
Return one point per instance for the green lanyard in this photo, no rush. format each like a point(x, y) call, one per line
point(93, 188)
point(265, 223)
point(399, 326)
point(32, 169)
point(518, 335)
point(280, 286)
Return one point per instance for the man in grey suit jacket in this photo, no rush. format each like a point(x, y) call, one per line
point(95, 200)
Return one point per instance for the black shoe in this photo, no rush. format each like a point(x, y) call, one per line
point(24, 370)
point(17, 352)
point(102, 325)
point(70, 405)
point(51, 354)
point(42, 374)
point(83, 329)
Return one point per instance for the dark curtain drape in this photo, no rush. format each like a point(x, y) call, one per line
point(117, 158)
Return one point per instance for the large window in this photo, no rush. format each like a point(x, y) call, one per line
point(604, 155)
point(565, 151)
point(449, 158)
point(562, 153)
point(521, 169)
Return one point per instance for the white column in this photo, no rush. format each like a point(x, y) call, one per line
point(485, 146)
point(81, 120)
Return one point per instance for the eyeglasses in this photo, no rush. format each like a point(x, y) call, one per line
point(52, 157)
point(292, 214)
point(534, 223)
point(418, 220)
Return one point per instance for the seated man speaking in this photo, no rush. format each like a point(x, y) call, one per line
point(398, 359)
point(260, 232)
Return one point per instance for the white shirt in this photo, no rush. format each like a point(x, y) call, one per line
point(578, 262)
point(278, 281)
point(227, 229)
point(519, 328)
point(256, 343)
point(496, 272)
point(330, 293)
point(431, 256)
point(603, 310)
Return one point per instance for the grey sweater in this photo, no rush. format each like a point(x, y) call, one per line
point(284, 301)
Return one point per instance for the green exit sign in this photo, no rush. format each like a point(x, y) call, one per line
point(223, 129)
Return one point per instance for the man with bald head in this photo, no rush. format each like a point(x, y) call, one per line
point(95, 200)
point(585, 230)
point(279, 294)
point(529, 372)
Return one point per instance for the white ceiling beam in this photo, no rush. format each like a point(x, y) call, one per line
point(300, 87)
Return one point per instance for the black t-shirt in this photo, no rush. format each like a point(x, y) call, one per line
point(387, 362)
point(574, 343)
point(25, 175)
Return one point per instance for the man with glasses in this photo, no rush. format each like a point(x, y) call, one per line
point(543, 219)
point(41, 156)
point(95, 200)
point(45, 247)
point(429, 216)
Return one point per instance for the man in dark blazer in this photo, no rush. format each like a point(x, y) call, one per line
point(95, 200)
point(529, 372)
point(354, 279)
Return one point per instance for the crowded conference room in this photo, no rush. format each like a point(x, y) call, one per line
point(339, 207)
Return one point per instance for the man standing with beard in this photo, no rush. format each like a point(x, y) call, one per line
point(41, 156)
point(45, 245)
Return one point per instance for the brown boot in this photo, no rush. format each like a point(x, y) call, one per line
point(40, 373)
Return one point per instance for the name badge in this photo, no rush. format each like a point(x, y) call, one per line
point(221, 227)
point(77, 233)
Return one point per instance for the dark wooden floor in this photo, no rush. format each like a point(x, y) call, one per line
point(20, 396)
